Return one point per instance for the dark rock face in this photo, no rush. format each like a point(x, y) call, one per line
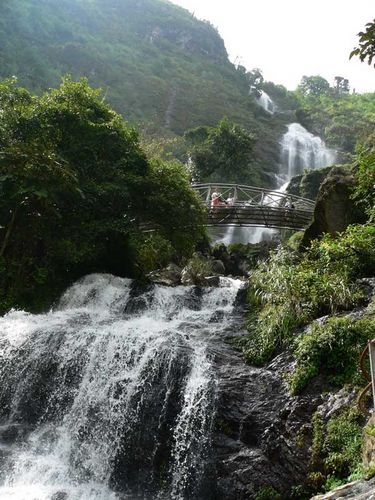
point(238, 259)
point(334, 209)
point(218, 267)
point(257, 423)
point(307, 185)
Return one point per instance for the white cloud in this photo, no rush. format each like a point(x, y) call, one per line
point(287, 39)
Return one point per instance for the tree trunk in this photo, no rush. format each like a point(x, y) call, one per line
point(8, 232)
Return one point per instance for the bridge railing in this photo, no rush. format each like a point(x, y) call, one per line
point(242, 195)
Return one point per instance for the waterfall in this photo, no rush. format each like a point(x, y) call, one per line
point(112, 394)
point(300, 149)
point(266, 102)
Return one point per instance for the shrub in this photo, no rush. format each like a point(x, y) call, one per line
point(332, 348)
point(75, 188)
point(268, 493)
point(364, 192)
point(337, 449)
point(150, 252)
point(290, 290)
point(197, 269)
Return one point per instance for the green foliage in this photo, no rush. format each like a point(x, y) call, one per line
point(370, 430)
point(284, 98)
point(370, 472)
point(173, 205)
point(366, 49)
point(313, 85)
point(364, 192)
point(340, 118)
point(289, 290)
point(294, 240)
point(197, 269)
point(268, 493)
point(151, 56)
point(160, 67)
point(74, 184)
point(150, 252)
point(337, 448)
point(332, 348)
point(223, 154)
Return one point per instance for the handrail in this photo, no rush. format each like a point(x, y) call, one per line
point(255, 189)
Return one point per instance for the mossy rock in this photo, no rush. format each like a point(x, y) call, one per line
point(335, 209)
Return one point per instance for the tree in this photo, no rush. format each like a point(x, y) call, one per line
point(74, 184)
point(255, 80)
point(224, 153)
point(366, 49)
point(313, 85)
point(341, 85)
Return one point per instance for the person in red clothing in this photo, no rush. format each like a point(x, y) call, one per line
point(215, 200)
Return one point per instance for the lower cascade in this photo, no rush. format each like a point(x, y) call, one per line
point(112, 394)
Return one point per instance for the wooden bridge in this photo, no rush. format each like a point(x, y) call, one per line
point(254, 207)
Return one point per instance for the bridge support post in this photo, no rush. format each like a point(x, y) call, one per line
point(208, 197)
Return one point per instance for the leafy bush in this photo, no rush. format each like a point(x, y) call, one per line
point(150, 252)
point(332, 348)
point(289, 290)
point(75, 190)
point(268, 493)
point(364, 192)
point(197, 269)
point(337, 448)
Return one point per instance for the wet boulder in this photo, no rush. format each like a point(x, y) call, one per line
point(169, 276)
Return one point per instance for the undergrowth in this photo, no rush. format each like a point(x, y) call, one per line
point(336, 450)
point(290, 289)
point(332, 348)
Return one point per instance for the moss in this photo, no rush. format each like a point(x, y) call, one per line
point(370, 430)
point(268, 493)
point(333, 349)
point(336, 450)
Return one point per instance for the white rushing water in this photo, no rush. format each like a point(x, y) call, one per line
point(299, 150)
point(112, 394)
point(266, 102)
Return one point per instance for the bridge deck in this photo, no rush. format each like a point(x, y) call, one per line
point(258, 216)
point(255, 207)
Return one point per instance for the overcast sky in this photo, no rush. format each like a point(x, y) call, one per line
point(287, 39)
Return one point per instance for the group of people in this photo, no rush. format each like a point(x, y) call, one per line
point(218, 201)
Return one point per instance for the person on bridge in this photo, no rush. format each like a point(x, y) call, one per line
point(217, 200)
point(230, 199)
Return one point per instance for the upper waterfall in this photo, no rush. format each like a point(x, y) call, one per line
point(112, 395)
point(301, 149)
point(266, 102)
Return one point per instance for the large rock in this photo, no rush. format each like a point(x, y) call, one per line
point(257, 425)
point(357, 490)
point(308, 184)
point(334, 209)
point(170, 276)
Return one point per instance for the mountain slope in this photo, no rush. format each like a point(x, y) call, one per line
point(157, 64)
point(155, 60)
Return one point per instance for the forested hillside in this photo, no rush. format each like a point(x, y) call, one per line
point(341, 118)
point(151, 57)
point(167, 72)
point(158, 65)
